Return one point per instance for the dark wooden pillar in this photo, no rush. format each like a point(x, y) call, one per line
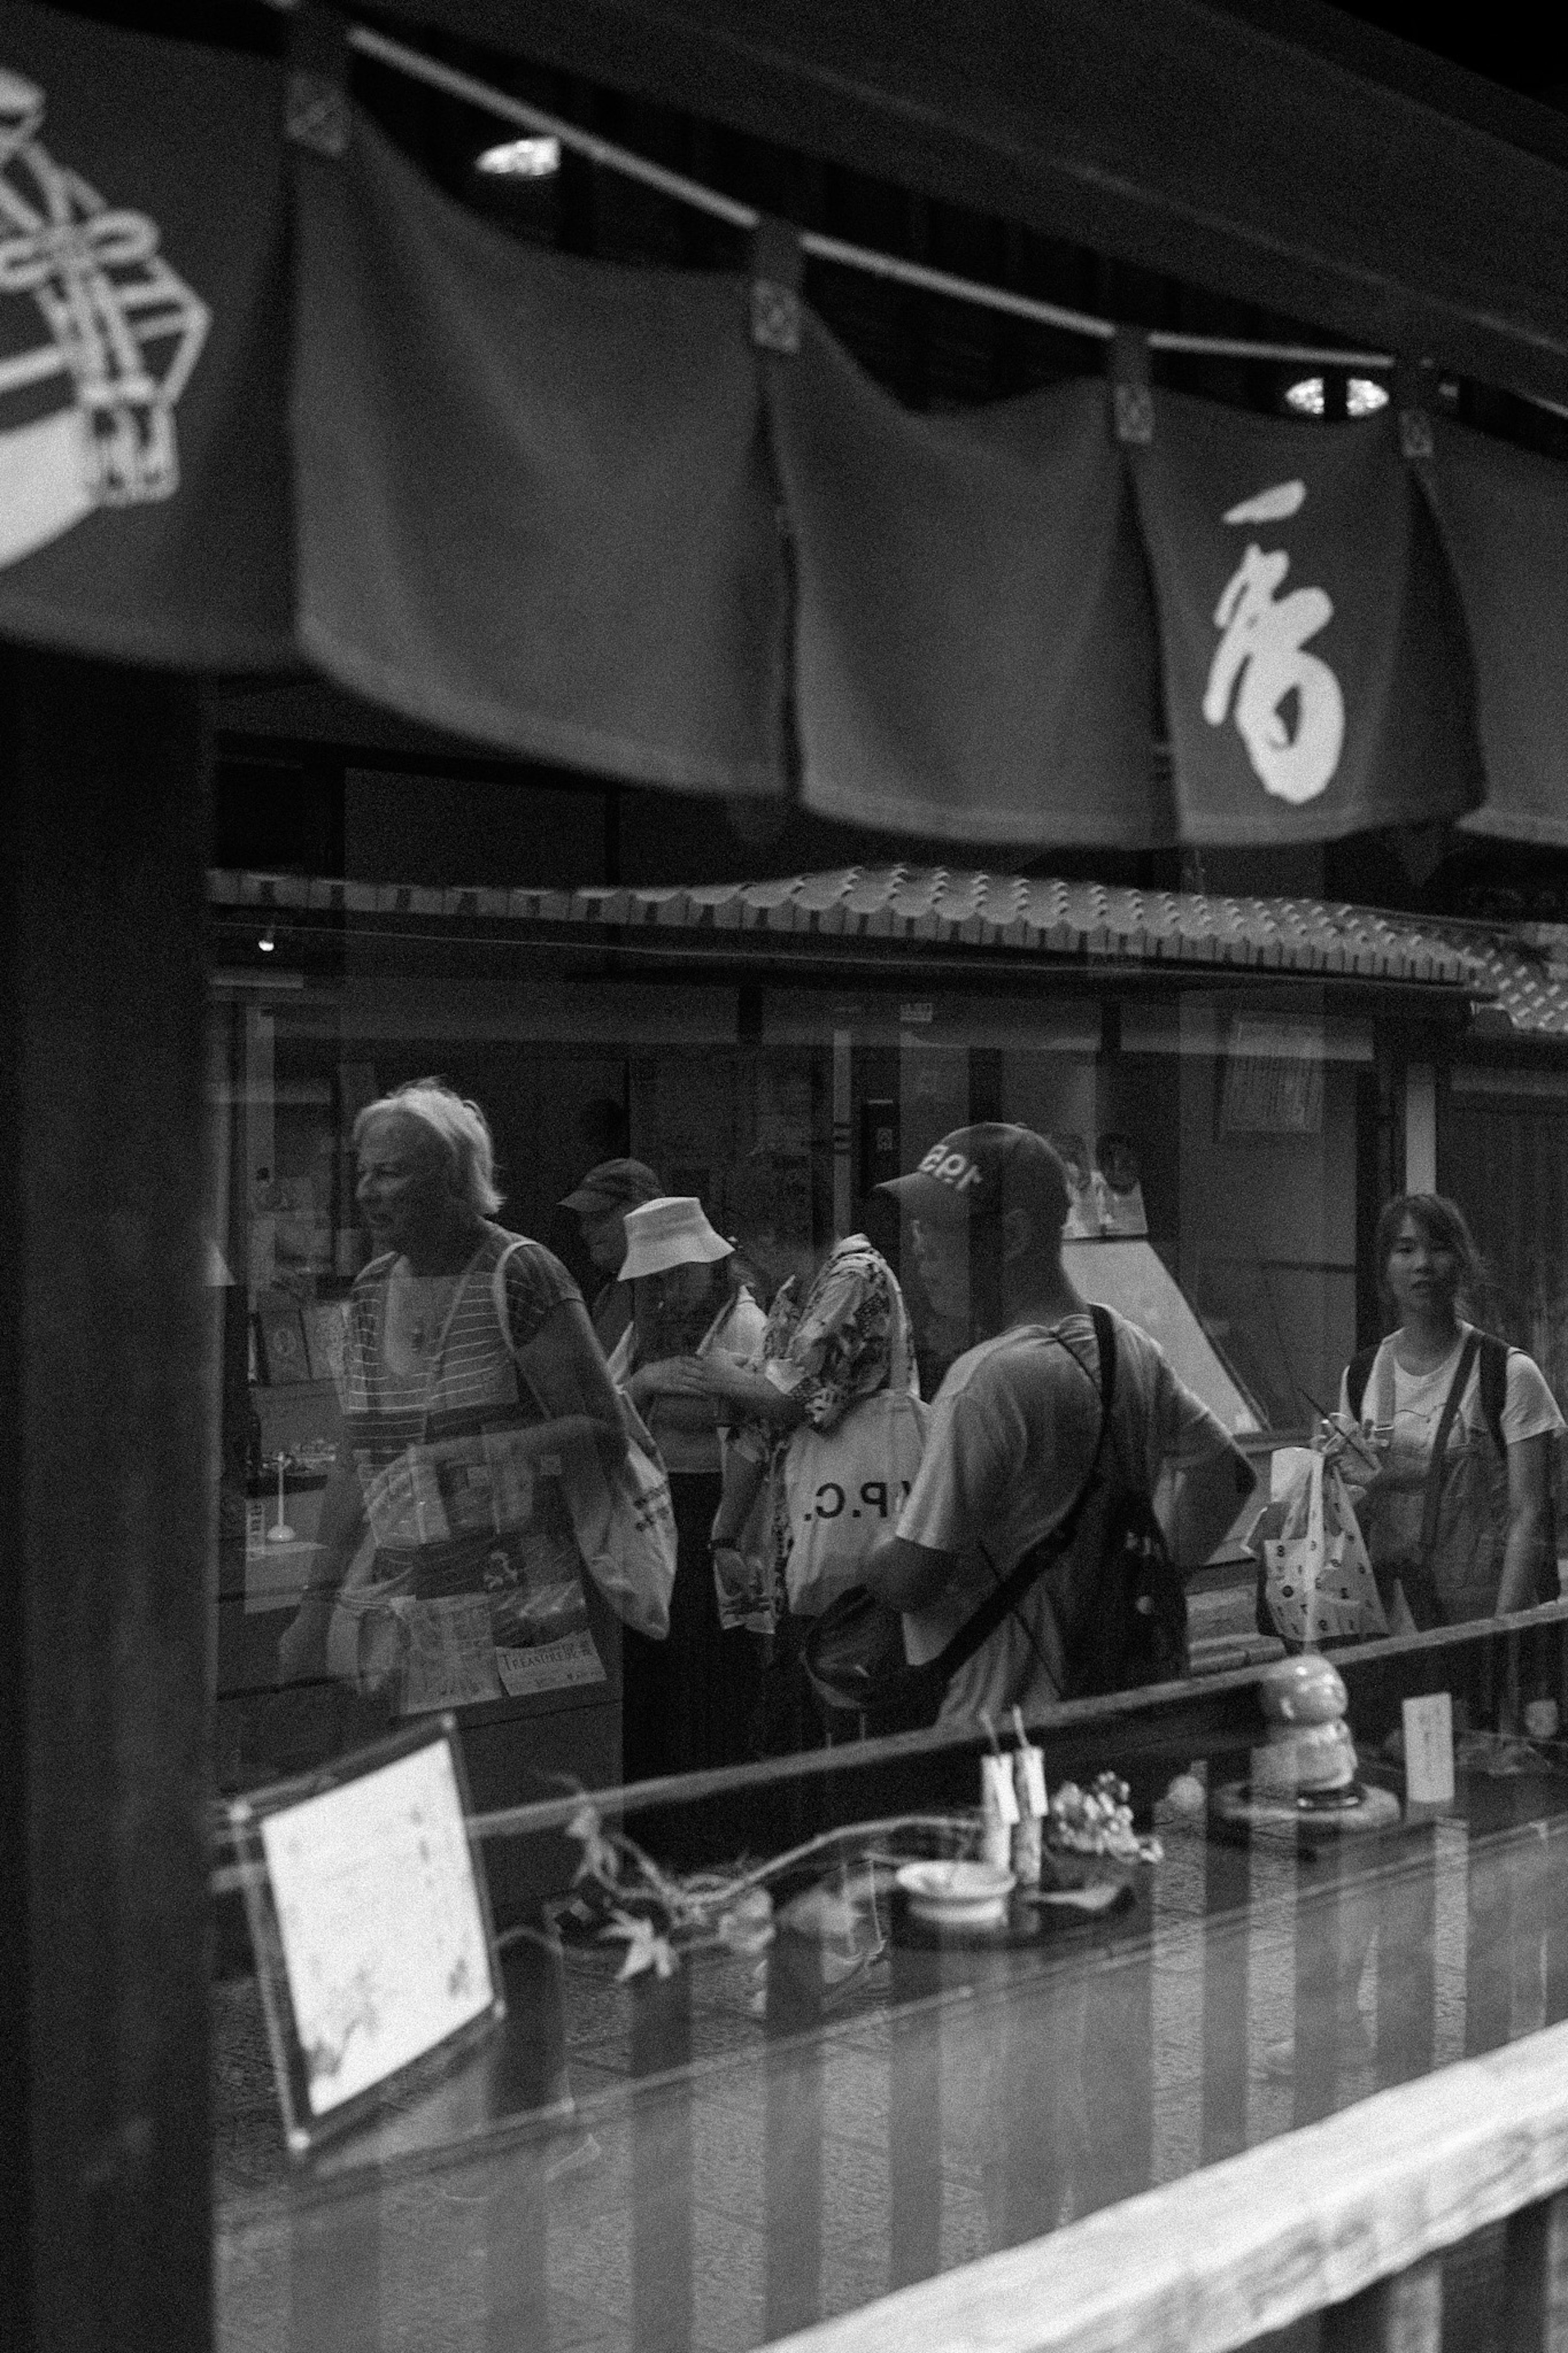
point(105, 1510)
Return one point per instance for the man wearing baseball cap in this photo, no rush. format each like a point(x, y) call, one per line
point(600, 1204)
point(1016, 1422)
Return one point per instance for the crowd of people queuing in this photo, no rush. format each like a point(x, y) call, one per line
point(776, 1372)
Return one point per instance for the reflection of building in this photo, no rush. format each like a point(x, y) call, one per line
point(1241, 1081)
point(783, 1015)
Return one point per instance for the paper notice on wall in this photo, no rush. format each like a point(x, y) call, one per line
point(1273, 1082)
point(451, 1658)
point(1429, 1749)
point(550, 1666)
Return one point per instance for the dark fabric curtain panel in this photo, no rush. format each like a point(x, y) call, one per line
point(1317, 675)
point(267, 397)
point(533, 497)
point(976, 644)
point(106, 1505)
point(1504, 519)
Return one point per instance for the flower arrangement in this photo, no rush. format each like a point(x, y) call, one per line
point(1098, 1821)
point(622, 1896)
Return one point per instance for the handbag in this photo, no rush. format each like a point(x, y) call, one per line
point(856, 1662)
point(625, 1530)
point(1318, 1585)
point(854, 1656)
point(844, 1487)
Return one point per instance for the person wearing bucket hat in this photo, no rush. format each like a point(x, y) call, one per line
point(1016, 1426)
point(599, 1203)
point(688, 1700)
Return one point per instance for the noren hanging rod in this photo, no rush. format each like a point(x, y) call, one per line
point(613, 157)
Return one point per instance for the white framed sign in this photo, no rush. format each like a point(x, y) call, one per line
point(374, 1945)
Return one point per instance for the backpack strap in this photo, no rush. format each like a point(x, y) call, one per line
point(526, 1392)
point(1358, 1372)
point(1433, 1497)
point(1494, 1354)
point(1011, 1589)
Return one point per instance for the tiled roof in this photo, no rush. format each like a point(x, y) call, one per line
point(1528, 974)
point(941, 904)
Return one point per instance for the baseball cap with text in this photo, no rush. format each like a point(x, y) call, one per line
point(981, 1171)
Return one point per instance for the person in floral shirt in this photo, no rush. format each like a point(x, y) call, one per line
point(836, 1332)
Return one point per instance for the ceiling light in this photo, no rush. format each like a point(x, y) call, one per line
point(266, 943)
point(1306, 397)
point(1365, 397)
point(522, 159)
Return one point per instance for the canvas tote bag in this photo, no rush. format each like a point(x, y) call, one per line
point(845, 1487)
point(626, 1531)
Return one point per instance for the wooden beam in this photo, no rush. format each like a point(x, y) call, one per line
point(1241, 151)
point(1304, 2224)
point(105, 1509)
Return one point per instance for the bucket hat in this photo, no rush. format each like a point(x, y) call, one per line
point(670, 1231)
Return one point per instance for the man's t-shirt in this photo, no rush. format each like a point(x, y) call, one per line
point(1012, 1435)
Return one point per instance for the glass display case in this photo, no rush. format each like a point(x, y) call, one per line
point(727, 2103)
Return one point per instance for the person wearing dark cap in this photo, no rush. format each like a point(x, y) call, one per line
point(600, 1204)
point(1014, 1425)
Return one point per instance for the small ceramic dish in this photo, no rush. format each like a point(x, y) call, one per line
point(960, 1894)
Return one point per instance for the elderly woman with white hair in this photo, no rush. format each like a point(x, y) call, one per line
point(470, 1444)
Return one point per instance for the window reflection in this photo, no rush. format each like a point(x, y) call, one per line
point(694, 1162)
point(1219, 1156)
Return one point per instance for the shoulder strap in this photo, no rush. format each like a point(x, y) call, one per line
point(1011, 1589)
point(1468, 1355)
point(526, 1390)
point(1357, 1374)
point(901, 1374)
point(1105, 1343)
point(498, 1295)
point(1494, 1386)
